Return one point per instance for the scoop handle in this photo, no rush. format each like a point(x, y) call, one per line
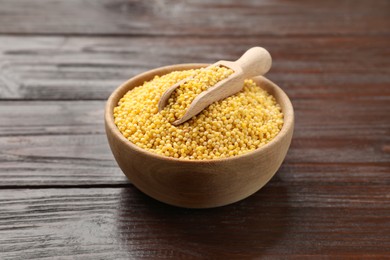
point(255, 62)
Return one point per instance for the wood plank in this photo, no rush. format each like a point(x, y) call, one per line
point(194, 17)
point(279, 221)
point(62, 143)
point(60, 173)
point(58, 160)
point(64, 174)
point(51, 117)
point(93, 150)
point(315, 118)
point(86, 159)
point(38, 68)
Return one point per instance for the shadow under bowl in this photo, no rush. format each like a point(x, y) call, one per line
point(198, 183)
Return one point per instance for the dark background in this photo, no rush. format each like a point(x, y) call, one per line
point(62, 194)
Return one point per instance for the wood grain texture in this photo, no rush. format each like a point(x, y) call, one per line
point(86, 159)
point(316, 118)
point(57, 160)
point(281, 221)
point(38, 68)
point(80, 159)
point(334, 141)
point(194, 17)
point(330, 198)
point(51, 118)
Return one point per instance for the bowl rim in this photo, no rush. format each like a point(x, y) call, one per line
point(288, 115)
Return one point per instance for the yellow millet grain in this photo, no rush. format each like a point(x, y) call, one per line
point(230, 127)
point(182, 97)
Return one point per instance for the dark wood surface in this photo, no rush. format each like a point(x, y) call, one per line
point(62, 194)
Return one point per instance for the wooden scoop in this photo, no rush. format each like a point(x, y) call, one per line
point(254, 62)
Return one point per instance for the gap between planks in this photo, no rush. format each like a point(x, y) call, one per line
point(73, 186)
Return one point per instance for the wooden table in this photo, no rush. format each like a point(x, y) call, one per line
point(62, 194)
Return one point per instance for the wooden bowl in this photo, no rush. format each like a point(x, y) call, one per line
point(198, 183)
